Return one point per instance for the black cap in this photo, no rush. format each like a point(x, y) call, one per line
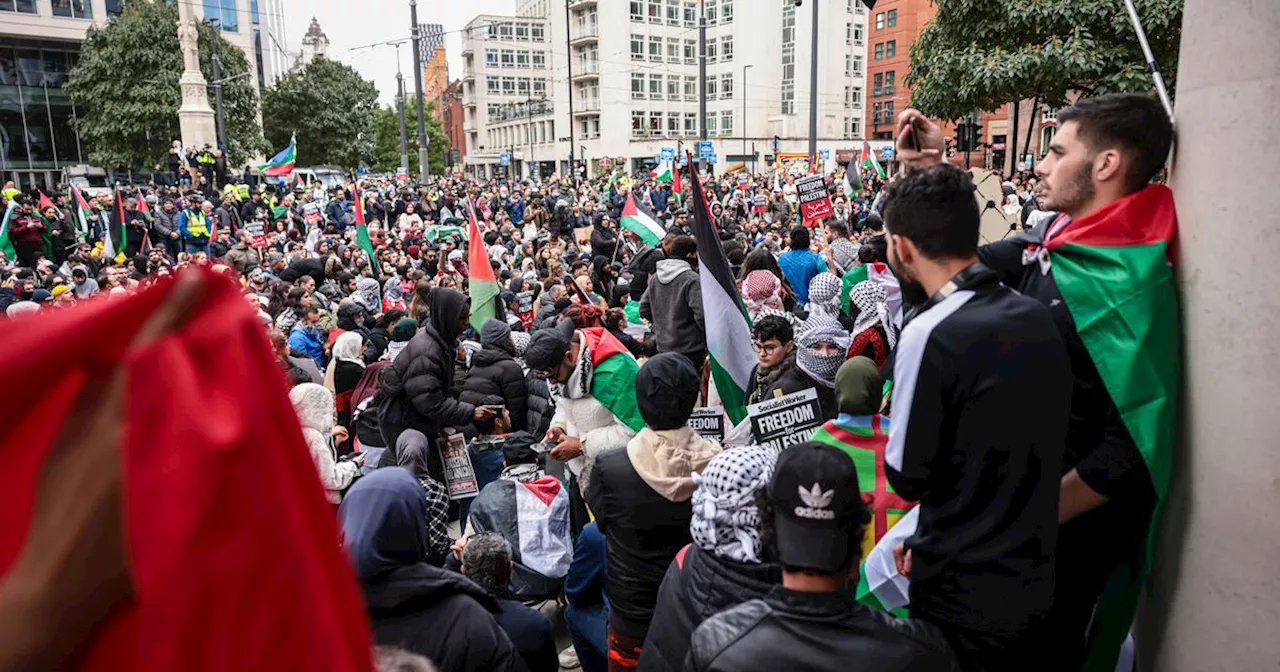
point(815, 492)
point(518, 449)
point(667, 387)
point(547, 347)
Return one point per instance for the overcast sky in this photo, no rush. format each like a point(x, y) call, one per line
point(355, 23)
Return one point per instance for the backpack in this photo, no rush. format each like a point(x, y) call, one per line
point(393, 408)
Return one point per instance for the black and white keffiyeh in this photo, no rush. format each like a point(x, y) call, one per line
point(821, 329)
point(726, 521)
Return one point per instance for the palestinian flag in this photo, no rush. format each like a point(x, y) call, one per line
point(362, 232)
point(613, 379)
point(434, 233)
point(1114, 271)
point(663, 172)
point(115, 239)
point(640, 222)
point(676, 187)
point(851, 186)
point(143, 209)
point(727, 324)
point(869, 160)
point(482, 286)
point(82, 213)
point(878, 272)
point(6, 245)
point(283, 163)
point(45, 202)
point(863, 438)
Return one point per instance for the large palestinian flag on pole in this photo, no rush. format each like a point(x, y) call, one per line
point(640, 222)
point(727, 324)
point(482, 286)
point(869, 159)
point(1114, 271)
point(362, 231)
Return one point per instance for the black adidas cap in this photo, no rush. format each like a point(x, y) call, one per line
point(814, 492)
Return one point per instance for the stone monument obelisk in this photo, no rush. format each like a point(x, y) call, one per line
point(195, 117)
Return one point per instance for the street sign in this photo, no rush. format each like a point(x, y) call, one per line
point(887, 152)
point(711, 159)
point(705, 149)
point(504, 159)
point(667, 154)
point(825, 154)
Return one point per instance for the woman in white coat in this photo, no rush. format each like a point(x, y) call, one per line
point(314, 406)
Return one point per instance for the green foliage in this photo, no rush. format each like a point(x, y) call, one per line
point(981, 54)
point(329, 106)
point(125, 88)
point(386, 139)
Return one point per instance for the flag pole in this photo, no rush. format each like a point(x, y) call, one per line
point(1151, 59)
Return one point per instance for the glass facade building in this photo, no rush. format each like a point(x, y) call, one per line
point(37, 136)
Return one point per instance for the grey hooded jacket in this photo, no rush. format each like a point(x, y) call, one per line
point(673, 306)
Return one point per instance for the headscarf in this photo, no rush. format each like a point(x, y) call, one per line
point(726, 521)
point(762, 289)
point(393, 291)
point(520, 340)
point(444, 308)
point(22, 308)
point(384, 523)
point(579, 383)
point(347, 348)
point(859, 387)
point(413, 457)
point(458, 264)
point(367, 294)
point(869, 298)
point(822, 368)
point(844, 255)
point(412, 453)
point(824, 295)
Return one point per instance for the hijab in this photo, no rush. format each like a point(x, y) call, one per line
point(726, 521)
point(393, 290)
point(859, 387)
point(445, 308)
point(821, 368)
point(367, 294)
point(412, 451)
point(384, 523)
point(347, 348)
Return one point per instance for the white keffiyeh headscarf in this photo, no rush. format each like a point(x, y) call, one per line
point(822, 368)
point(873, 308)
point(726, 521)
point(824, 295)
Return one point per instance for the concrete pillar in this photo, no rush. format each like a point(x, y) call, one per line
point(1214, 600)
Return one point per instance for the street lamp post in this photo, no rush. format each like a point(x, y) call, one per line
point(702, 79)
point(404, 136)
point(744, 115)
point(417, 76)
point(813, 90)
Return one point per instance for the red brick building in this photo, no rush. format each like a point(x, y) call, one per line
point(449, 107)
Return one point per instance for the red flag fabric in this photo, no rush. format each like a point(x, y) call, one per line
point(232, 548)
point(675, 186)
point(45, 202)
point(358, 206)
point(142, 207)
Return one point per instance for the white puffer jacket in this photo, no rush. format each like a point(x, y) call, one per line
point(314, 406)
point(593, 424)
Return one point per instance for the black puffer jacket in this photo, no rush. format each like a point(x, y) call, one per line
point(791, 630)
point(540, 407)
point(422, 374)
point(643, 531)
point(441, 615)
point(495, 373)
point(697, 586)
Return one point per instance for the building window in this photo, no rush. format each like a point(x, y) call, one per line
point(508, 86)
point(539, 59)
point(655, 11)
point(877, 113)
point(711, 123)
point(711, 12)
point(673, 12)
point(595, 127)
point(539, 86)
point(888, 112)
point(855, 96)
point(522, 86)
point(77, 9)
point(673, 125)
point(655, 87)
point(890, 48)
point(522, 59)
point(257, 57)
point(788, 98)
point(726, 85)
point(221, 11)
point(880, 21)
point(879, 49)
point(655, 49)
point(848, 65)
point(726, 49)
point(711, 51)
point(491, 86)
point(507, 58)
point(856, 71)
point(504, 32)
point(637, 11)
point(857, 35)
point(726, 123)
point(637, 86)
point(852, 128)
point(690, 52)
point(655, 124)
point(537, 32)
point(848, 33)
point(673, 87)
point(726, 11)
point(1046, 137)
point(711, 88)
point(491, 57)
point(877, 84)
point(522, 32)
point(690, 15)
point(637, 47)
point(673, 50)
point(691, 88)
point(888, 83)
point(690, 123)
point(637, 123)
point(892, 17)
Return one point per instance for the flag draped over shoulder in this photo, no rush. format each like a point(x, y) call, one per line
point(482, 286)
point(6, 243)
point(201, 563)
point(640, 222)
point(283, 163)
point(727, 325)
point(1114, 272)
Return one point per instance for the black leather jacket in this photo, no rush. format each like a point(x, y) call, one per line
point(791, 630)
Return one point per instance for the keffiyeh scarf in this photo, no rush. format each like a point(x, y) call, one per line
point(872, 303)
point(726, 521)
point(760, 290)
point(579, 383)
point(822, 368)
point(824, 295)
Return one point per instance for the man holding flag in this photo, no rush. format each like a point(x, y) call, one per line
point(1103, 267)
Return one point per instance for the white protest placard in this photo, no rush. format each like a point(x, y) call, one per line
point(785, 421)
point(708, 422)
point(459, 475)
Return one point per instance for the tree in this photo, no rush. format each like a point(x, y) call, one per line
point(977, 54)
point(125, 88)
point(386, 139)
point(329, 106)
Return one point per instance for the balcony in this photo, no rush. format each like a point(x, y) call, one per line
point(468, 49)
point(585, 106)
point(589, 69)
point(574, 4)
point(584, 34)
point(468, 102)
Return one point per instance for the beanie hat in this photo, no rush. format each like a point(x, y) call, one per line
point(667, 387)
point(404, 330)
point(495, 333)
